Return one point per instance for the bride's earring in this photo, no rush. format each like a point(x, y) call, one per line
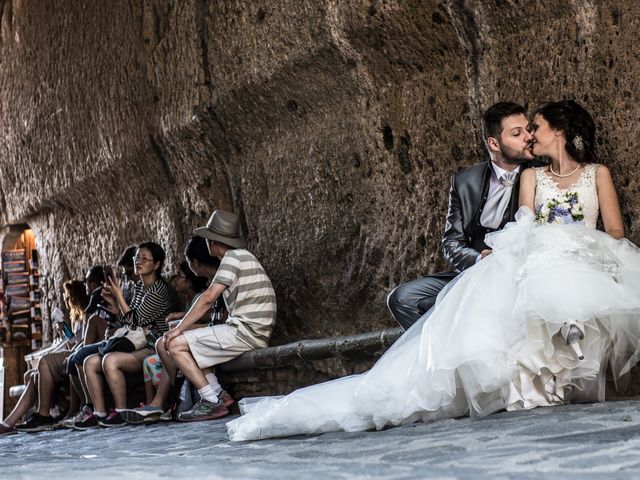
point(573, 334)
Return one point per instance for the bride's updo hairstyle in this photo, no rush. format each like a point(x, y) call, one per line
point(578, 127)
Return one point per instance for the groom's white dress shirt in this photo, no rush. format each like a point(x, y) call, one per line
point(496, 175)
point(494, 183)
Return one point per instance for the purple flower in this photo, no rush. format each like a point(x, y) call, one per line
point(567, 218)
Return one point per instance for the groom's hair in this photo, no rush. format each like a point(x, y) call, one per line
point(492, 118)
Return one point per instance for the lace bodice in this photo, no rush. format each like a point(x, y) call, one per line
point(547, 189)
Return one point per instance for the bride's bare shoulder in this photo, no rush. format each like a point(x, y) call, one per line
point(529, 173)
point(602, 171)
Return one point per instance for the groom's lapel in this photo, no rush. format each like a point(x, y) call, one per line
point(483, 192)
point(514, 204)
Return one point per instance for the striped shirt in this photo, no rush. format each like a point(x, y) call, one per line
point(149, 307)
point(249, 297)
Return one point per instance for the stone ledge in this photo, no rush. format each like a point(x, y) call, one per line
point(349, 347)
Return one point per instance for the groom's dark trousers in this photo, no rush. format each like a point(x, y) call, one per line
point(462, 242)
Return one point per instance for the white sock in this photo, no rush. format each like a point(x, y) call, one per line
point(213, 382)
point(208, 394)
point(99, 414)
point(120, 410)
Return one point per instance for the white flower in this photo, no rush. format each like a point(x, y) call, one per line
point(576, 210)
point(564, 205)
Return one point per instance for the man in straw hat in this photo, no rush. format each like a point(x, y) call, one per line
point(251, 302)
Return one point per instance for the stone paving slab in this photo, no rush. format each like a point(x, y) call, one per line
point(575, 441)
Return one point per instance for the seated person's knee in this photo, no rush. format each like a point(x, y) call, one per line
point(91, 362)
point(109, 363)
point(178, 345)
point(397, 298)
point(182, 343)
point(30, 375)
point(43, 363)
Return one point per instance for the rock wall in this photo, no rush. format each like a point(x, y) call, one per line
point(332, 128)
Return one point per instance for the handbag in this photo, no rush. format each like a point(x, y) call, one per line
point(125, 339)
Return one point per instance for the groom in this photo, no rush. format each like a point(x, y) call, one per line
point(482, 199)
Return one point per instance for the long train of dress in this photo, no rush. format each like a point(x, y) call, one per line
point(491, 342)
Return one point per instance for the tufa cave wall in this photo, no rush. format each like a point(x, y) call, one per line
point(332, 128)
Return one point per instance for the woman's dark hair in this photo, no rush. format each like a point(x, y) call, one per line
point(578, 127)
point(126, 258)
point(157, 252)
point(198, 283)
point(196, 249)
point(95, 274)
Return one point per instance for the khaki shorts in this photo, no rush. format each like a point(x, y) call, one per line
point(215, 344)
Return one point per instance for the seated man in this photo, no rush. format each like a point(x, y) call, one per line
point(251, 303)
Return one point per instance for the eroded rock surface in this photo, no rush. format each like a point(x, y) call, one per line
point(331, 127)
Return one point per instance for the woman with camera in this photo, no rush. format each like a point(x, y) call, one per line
point(143, 318)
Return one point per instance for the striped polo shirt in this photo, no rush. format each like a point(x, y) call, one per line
point(249, 296)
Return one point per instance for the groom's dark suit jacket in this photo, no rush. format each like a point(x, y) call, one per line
point(462, 242)
point(463, 238)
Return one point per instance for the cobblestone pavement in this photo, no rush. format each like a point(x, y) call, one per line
point(575, 441)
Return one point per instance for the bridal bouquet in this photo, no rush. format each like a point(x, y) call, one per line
point(563, 209)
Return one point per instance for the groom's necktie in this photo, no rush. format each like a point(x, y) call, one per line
point(496, 205)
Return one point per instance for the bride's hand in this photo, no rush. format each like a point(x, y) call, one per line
point(486, 253)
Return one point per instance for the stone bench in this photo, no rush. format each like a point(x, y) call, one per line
point(283, 368)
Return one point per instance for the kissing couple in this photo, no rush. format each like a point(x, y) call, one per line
point(539, 307)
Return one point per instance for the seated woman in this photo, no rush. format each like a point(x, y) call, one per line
point(43, 382)
point(152, 301)
point(100, 323)
point(204, 265)
point(188, 286)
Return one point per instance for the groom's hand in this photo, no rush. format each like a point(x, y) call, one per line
point(485, 253)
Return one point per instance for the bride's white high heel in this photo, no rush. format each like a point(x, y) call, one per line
point(572, 334)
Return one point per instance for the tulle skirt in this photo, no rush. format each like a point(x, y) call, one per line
point(491, 342)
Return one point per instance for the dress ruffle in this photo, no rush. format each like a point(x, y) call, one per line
point(491, 342)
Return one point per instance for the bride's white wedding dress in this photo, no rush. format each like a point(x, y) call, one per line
point(491, 342)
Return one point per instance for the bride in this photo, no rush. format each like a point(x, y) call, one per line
point(539, 322)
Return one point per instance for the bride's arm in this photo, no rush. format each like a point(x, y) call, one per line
point(528, 189)
point(608, 201)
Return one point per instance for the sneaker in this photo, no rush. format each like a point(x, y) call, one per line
point(114, 419)
point(36, 423)
point(69, 421)
point(204, 410)
point(166, 416)
point(7, 430)
point(226, 399)
point(142, 414)
point(88, 421)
